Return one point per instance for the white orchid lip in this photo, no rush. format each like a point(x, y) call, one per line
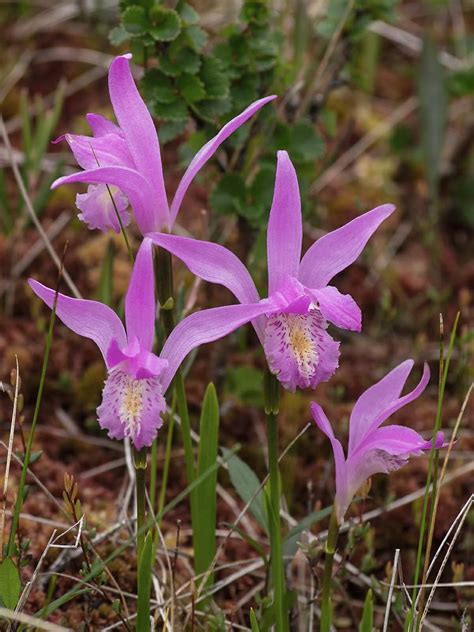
point(131, 408)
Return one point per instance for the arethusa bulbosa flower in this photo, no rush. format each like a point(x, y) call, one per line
point(137, 379)
point(127, 157)
point(374, 449)
point(293, 332)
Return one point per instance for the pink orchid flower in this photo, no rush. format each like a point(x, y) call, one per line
point(373, 449)
point(293, 333)
point(128, 157)
point(137, 379)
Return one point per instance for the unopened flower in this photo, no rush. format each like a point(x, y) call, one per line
point(128, 156)
point(293, 331)
point(137, 379)
point(373, 449)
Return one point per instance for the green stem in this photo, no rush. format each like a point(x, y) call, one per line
point(164, 272)
point(272, 397)
point(330, 549)
point(139, 459)
point(153, 472)
point(29, 446)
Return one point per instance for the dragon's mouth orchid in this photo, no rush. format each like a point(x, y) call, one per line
point(293, 331)
point(373, 449)
point(128, 157)
point(137, 379)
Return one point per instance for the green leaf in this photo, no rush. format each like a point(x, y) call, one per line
point(246, 484)
point(36, 456)
point(214, 78)
point(196, 37)
point(170, 130)
point(10, 584)
point(187, 14)
point(144, 585)
point(461, 82)
point(253, 621)
point(255, 11)
point(209, 109)
point(244, 91)
point(205, 534)
point(256, 546)
point(367, 621)
point(191, 88)
point(306, 144)
point(290, 543)
point(175, 111)
point(228, 193)
point(433, 112)
point(157, 86)
point(135, 20)
point(183, 60)
point(166, 24)
point(118, 35)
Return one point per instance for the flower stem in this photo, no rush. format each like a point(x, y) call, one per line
point(165, 296)
point(330, 549)
point(139, 461)
point(272, 398)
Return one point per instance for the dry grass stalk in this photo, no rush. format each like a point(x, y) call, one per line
point(3, 503)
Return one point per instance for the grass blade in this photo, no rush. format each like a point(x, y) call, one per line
point(367, 621)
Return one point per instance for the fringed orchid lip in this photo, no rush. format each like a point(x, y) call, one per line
point(137, 380)
point(373, 449)
point(300, 300)
point(128, 155)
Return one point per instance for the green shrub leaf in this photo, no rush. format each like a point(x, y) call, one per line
point(166, 24)
point(191, 88)
point(135, 20)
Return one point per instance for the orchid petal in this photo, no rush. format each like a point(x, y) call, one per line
point(139, 132)
point(108, 150)
point(90, 319)
point(130, 182)
point(201, 328)
point(342, 499)
point(380, 401)
point(101, 126)
point(398, 440)
point(211, 262)
point(140, 303)
point(339, 309)
point(208, 150)
point(337, 250)
point(285, 229)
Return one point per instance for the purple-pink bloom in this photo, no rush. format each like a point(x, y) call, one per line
point(373, 449)
point(128, 156)
point(137, 379)
point(293, 331)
